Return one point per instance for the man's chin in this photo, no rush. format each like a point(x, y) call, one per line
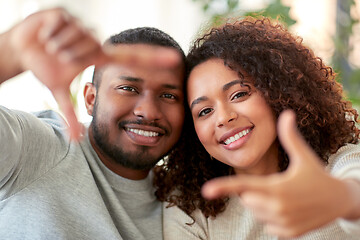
point(137, 161)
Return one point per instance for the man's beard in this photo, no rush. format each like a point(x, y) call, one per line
point(139, 159)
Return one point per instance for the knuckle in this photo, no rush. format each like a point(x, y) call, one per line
point(280, 208)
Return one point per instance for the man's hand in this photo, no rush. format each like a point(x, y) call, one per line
point(56, 48)
point(302, 198)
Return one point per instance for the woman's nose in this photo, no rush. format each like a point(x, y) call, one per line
point(225, 116)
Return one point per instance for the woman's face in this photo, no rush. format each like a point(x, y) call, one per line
point(232, 119)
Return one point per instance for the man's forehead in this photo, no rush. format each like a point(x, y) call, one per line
point(173, 78)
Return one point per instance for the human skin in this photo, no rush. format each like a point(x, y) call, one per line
point(139, 111)
point(223, 108)
point(290, 203)
point(56, 48)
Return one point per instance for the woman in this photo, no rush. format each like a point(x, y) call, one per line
point(293, 176)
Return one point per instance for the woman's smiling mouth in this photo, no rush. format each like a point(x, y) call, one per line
point(237, 136)
point(235, 139)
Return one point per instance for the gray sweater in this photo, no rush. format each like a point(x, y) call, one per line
point(51, 188)
point(238, 223)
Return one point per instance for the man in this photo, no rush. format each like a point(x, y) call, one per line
point(53, 187)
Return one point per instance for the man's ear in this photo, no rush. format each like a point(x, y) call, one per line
point(89, 97)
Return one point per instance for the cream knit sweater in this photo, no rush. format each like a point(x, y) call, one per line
point(237, 223)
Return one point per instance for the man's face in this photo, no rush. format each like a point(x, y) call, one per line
point(137, 114)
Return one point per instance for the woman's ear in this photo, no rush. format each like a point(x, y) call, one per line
point(89, 97)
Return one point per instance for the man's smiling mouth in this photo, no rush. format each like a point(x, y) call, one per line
point(143, 132)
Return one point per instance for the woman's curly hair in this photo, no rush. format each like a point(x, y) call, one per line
point(289, 76)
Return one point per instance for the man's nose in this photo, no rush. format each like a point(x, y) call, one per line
point(147, 108)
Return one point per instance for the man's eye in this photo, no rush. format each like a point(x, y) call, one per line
point(169, 96)
point(205, 112)
point(240, 95)
point(127, 88)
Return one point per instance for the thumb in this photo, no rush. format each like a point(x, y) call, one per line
point(291, 140)
point(63, 98)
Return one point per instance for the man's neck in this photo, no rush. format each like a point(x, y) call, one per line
point(123, 171)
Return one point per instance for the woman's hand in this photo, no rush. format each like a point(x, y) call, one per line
point(302, 198)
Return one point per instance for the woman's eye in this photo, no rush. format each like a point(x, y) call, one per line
point(205, 112)
point(240, 95)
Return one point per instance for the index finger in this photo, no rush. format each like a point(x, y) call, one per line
point(145, 55)
point(224, 186)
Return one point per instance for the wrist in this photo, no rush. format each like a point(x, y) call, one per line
point(10, 64)
point(15, 50)
point(353, 199)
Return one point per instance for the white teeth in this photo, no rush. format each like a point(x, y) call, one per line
point(143, 132)
point(236, 136)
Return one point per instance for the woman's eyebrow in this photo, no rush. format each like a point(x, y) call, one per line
point(197, 100)
point(225, 87)
point(232, 83)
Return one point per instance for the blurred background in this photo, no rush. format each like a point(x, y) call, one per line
point(330, 27)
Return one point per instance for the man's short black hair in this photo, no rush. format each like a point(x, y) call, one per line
point(141, 35)
point(146, 35)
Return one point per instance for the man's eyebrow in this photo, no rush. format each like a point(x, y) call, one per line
point(171, 86)
point(135, 79)
point(232, 83)
point(198, 100)
point(130, 79)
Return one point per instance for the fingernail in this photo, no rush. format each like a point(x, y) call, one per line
point(207, 192)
